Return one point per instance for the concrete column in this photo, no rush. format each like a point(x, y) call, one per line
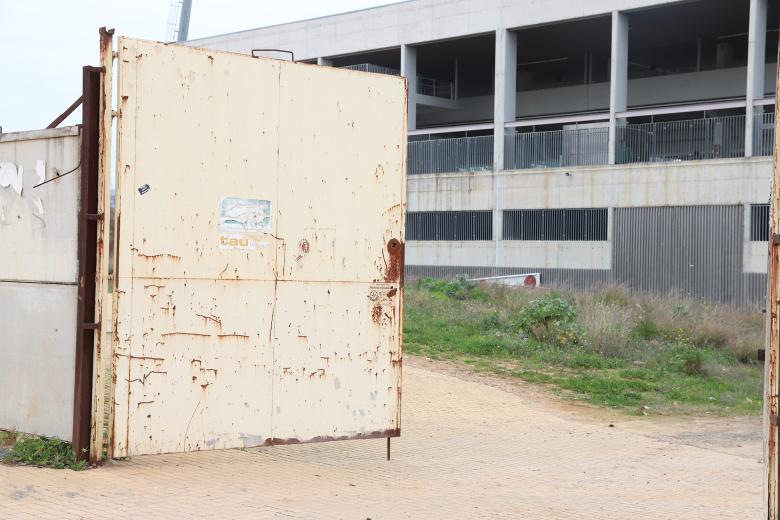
point(618, 79)
point(755, 67)
point(505, 92)
point(324, 62)
point(504, 111)
point(409, 71)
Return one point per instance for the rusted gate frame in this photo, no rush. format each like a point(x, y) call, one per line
point(68, 111)
point(772, 354)
point(87, 244)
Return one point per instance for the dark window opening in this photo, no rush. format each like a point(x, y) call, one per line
point(555, 224)
point(449, 225)
point(759, 222)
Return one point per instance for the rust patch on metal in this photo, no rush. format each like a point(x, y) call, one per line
point(195, 334)
point(320, 372)
point(303, 245)
point(376, 314)
point(175, 258)
point(238, 336)
point(394, 272)
point(211, 318)
point(392, 292)
point(379, 434)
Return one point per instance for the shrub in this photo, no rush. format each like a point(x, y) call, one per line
point(608, 326)
point(646, 328)
point(691, 361)
point(551, 319)
point(458, 288)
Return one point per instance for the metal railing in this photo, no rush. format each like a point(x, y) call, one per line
point(376, 69)
point(461, 154)
point(426, 86)
point(670, 141)
point(689, 140)
point(763, 134)
point(556, 148)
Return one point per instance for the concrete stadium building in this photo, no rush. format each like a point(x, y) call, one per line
point(594, 141)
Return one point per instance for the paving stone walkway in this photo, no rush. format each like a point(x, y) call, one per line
point(468, 450)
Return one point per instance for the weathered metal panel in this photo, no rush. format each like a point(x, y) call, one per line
point(43, 243)
point(290, 333)
point(692, 251)
point(38, 278)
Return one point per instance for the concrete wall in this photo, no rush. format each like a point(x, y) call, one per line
point(714, 182)
point(708, 200)
point(412, 22)
point(38, 280)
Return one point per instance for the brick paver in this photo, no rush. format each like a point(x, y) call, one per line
point(468, 450)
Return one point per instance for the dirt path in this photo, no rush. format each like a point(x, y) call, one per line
point(734, 435)
point(472, 447)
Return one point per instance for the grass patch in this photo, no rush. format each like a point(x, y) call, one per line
point(610, 348)
point(44, 452)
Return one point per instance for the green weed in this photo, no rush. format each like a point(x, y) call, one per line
point(44, 452)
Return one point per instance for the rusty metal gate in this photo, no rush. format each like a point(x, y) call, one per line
point(259, 262)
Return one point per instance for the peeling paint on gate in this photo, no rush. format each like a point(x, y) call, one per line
point(295, 341)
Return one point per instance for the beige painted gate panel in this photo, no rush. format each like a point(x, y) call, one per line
point(259, 253)
point(337, 368)
point(343, 187)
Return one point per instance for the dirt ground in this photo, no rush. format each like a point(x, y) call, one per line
point(472, 446)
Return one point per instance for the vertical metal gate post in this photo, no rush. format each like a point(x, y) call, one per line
point(772, 360)
point(102, 346)
point(87, 243)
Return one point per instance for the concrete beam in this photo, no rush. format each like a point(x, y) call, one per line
point(618, 81)
point(505, 93)
point(411, 22)
point(755, 68)
point(409, 71)
point(437, 102)
point(504, 111)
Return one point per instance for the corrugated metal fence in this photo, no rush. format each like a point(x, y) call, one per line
point(691, 251)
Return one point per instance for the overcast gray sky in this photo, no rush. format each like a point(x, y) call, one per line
point(44, 43)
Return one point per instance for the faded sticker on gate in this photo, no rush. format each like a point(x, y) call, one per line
point(243, 223)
